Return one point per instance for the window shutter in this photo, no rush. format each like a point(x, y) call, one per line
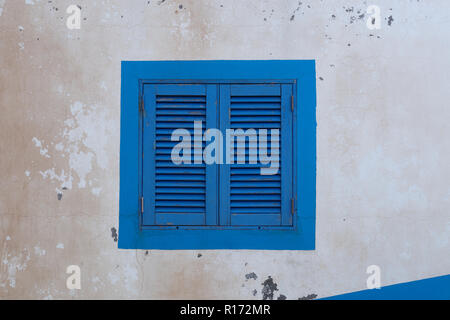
point(184, 194)
point(247, 197)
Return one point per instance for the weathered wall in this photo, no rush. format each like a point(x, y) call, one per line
point(383, 191)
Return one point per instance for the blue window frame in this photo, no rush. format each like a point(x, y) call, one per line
point(217, 206)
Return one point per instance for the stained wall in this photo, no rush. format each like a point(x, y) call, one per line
point(383, 153)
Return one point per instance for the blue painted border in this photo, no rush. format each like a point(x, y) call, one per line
point(301, 238)
point(437, 288)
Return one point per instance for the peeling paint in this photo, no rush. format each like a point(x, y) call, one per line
point(96, 191)
point(64, 179)
point(269, 287)
point(311, 296)
point(295, 11)
point(114, 234)
point(251, 275)
point(39, 251)
point(390, 20)
point(43, 151)
point(11, 265)
point(84, 141)
point(2, 3)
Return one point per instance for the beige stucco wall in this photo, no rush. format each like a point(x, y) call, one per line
point(383, 143)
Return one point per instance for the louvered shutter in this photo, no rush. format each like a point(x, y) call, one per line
point(248, 198)
point(184, 194)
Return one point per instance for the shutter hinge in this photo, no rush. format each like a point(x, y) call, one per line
point(141, 103)
point(292, 206)
point(292, 103)
point(142, 204)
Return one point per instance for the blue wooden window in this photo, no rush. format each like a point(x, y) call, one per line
point(187, 194)
point(219, 206)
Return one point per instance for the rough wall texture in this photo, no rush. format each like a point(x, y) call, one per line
point(383, 193)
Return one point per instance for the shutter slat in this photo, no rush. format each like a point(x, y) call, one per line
point(251, 125)
point(255, 177)
point(254, 204)
point(257, 197)
point(182, 177)
point(180, 105)
point(255, 100)
point(255, 210)
point(185, 210)
point(171, 144)
point(180, 196)
point(272, 105)
point(181, 204)
point(246, 112)
point(180, 190)
point(179, 112)
point(168, 152)
point(169, 164)
point(181, 170)
point(255, 190)
point(255, 117)
point(170, 219)
point(255, 219)
point(258, 90)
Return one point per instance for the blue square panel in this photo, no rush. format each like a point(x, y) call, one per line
point(255, 120)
